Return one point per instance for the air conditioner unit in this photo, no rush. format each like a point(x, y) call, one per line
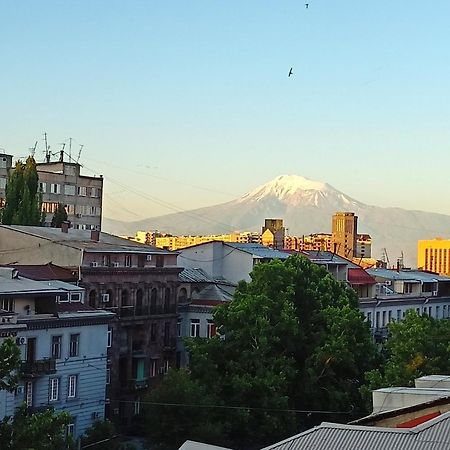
point(105, 298)
point(435, 293)
point(149, 257)
point(94, 264)
point(79, 215)
point(115, 264)
point(22, 340)
point(95, 415)
point(388, 283)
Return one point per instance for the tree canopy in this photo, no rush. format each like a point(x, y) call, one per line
point(23, 198)
point(292, 339)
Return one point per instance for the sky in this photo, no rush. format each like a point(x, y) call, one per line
point(183, 104)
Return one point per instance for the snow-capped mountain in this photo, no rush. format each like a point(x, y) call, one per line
point(306, 207)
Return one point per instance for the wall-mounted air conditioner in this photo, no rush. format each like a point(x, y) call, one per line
point(94, 264)
point(22, 340)
point(105, 298)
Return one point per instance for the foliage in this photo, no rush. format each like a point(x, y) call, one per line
point(417, 346)
point(170, 426)
point(99, 431)
point(9, 365)
point(41, 431)
point(293, 339)
point(23, 199)
point(59, 217)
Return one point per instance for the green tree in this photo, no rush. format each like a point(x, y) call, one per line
point(294, 339)
point(59, 217)
point(44, 430)
point(417, 346)
point(9, 365)
point(23, 199)
point(101, 430)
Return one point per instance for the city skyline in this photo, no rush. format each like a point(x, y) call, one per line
point(191, 105)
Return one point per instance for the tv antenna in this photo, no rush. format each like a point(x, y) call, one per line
point(79, 153)
point(47, 149)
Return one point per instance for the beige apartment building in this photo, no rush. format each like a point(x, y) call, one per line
point(62, 182)
point(344, 231)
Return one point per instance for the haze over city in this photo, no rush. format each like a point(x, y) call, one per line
point(191, 103)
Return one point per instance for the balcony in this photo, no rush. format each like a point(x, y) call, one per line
point(39, 367)
point(137, 384)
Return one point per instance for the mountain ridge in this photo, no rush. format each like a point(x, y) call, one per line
point(306, 207)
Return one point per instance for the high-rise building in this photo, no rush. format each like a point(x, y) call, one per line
point(273, 233)
point(62, 182)
point(434, 255)
point(344, 233)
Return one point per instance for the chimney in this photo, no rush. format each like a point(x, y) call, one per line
point(95, 235)
point(65, 227)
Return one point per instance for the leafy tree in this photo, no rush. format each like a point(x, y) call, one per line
point(417, 346)
point(294, 339)
point(101, 430)
point(44, 430)
point(59, 217)
point(23, 199)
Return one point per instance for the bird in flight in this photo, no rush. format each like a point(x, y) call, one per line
point(307, 5)
point(290, 72)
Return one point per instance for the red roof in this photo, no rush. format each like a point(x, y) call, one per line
point(360, 276)
point(46, 272)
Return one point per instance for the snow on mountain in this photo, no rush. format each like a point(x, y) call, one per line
point(306, 207)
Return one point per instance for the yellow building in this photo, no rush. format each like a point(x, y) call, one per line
point(434, 255)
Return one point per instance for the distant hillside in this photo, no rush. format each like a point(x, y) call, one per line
point(306, 207)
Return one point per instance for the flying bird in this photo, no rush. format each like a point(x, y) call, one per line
point(290, 72)
point(307, 5)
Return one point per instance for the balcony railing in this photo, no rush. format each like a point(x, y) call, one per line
point(132, 311)
point(136, 385)
point(39, 367)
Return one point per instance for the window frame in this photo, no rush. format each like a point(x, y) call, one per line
point(54, 381)
point(56, 355)
point(74, 351)
point(72, 385)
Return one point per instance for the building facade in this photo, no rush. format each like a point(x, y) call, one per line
point(63, 345)
point(434, 255)
point(344, 230)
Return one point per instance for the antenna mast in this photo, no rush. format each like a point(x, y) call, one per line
point(79, 153)
point(47, 149)
point(33, 149)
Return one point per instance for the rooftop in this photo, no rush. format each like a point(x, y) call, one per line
point(45, 272)
point(258, 250)
point(407, 275)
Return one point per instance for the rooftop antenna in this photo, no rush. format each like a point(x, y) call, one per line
point(79, 153)
point(70, 149)
point(33, 149)
point(61, 152)
point(47, 149)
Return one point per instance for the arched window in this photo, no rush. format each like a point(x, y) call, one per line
point(139, 297)
point(182, 296)
point(93, 298)
point(125, 297)
point(153, 296)
point(167, 300)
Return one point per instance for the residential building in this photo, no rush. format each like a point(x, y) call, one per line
point(316, 241)
point(62, 182)
point(273, 234)
point(229, 260)
point(137, 282)
point(433, 255)
point(198, 294)
point(63, 344)
point(344, 234)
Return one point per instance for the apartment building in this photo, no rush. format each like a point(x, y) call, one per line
point(62, 182)
point(137, 282)
point(63, 345)
point(344, 230)
point(434, 255)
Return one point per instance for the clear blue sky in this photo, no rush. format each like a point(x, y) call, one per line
point(169, 92)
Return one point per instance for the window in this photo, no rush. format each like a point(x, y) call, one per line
point(43, 187)
point(153, 330)
point(437, 311)
point(166, 333)
point(444, 311)
point(7, 304)
point(137, 407)
point(75, 297)
point(166, 366)
point(29, 393)
point(369, 318)
point(81, 191)
point(390, 316)
point(106, 260)
point(383, 324)
point(159, 260)
point(74, 348)
point(108, 376)
point(377, 320)
point(72, 383)
point(179, 321)
point(127, 260)
point(54, 389)
point(55, 188)
point(70, 429)
point(109, 338)
point(211, 330)
point(399, 315)
point(195, 327)
point(56, 347)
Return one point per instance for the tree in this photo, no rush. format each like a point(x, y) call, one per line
point(44, 430)
point(101, 430)
point(59, 217)
point(23, 199)
point(417, 346)
point(294, 339)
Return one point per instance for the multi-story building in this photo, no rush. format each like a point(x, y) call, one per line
point(344, 234)
point(62, 182)
point(363, 246)
point(63, 344)
point(273, 234)
point(434, 255)
point(137, 282)
point(316, 241)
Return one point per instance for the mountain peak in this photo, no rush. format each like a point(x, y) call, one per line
point(285, 186)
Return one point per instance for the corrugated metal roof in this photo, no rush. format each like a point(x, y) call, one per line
point(81, 239)
point(359, 276)
point(194, 275)
point(407, 275)
point(431, 435)
point(212, 292)
point(48, 271)
point(319, 256)
point(259, 250)
point(21, 285)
